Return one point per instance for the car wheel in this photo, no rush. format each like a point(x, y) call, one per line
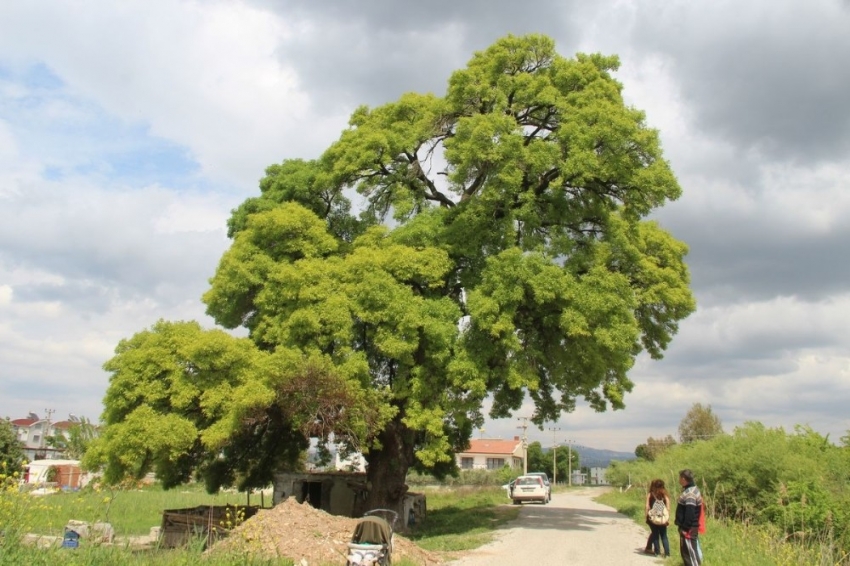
point(516, 501)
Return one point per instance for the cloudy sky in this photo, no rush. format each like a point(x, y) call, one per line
point(129, 130)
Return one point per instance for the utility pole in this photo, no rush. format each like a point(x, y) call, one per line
point(554, 455)
point(524, 427)
point(570, 456)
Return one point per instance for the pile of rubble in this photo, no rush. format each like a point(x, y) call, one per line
point(308, 536)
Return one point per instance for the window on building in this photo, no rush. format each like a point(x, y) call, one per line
point(36, 438)
point(495, 463)
point(466, 463)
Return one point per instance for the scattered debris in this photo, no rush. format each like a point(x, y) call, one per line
point(92, 532)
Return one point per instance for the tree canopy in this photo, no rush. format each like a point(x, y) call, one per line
point(700, 423)
point(502, 249)
point(186, 402)
point(654, 447)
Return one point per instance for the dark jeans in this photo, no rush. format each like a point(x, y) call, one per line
point(658, 533)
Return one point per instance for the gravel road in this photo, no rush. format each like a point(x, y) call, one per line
point(571, 529)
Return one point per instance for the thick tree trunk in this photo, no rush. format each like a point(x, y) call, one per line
point(387, 470)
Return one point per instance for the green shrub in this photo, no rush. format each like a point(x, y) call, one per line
point(794, 483)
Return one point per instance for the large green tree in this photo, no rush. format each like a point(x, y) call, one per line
point(502, 249)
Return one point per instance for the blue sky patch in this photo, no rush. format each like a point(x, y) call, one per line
point(71, 135)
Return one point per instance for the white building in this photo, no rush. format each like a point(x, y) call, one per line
point(33, 432)
point(491, 454)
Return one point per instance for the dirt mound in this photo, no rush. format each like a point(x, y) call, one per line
point(307, 535)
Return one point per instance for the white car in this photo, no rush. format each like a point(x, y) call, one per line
point(545, 482)
point(529, 488)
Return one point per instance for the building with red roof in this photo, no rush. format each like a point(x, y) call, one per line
point(33, 432)
point(491, 454)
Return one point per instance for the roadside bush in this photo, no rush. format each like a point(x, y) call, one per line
point(795, 482)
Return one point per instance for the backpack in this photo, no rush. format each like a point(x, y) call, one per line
point(658, 514)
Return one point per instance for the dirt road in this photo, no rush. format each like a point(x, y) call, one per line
point(571, 530)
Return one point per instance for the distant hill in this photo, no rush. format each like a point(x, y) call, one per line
point(595, 458)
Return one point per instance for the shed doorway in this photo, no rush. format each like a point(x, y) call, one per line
point(311, 491)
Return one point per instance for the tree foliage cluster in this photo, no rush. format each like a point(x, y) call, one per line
point(75, 442)
point(186, 402)
point(796, 481)
point(11, 449)
point(540, 460)
point(654, 447)
point(502, 249)
point(700, 423)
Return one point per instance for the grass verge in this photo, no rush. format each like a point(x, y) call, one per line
point(462, 518)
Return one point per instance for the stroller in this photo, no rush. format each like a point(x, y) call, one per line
point(372, 541)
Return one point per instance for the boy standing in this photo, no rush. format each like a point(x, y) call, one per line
point(688, 509)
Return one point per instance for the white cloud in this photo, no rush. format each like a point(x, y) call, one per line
point(5, 295)
point(191, 213)
point(202, 74)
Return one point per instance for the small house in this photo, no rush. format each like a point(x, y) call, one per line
point(491, 454)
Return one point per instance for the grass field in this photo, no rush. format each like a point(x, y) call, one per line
point(131, 512)
point(458, 519)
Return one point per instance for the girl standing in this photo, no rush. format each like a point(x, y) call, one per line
point(657, 511)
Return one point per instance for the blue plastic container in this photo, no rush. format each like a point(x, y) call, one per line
point(71, 539)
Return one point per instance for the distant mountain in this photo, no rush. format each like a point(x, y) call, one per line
point(595, 458)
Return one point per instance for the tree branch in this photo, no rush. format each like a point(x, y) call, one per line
point(432, 193)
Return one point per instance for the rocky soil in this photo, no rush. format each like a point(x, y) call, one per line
point(309, 536)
